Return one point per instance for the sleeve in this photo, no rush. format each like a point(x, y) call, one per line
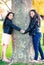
point(27, 30)
point(31, 25)
point(14, 26)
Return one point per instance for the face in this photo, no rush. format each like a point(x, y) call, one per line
point(10, 16)
point(32, 14)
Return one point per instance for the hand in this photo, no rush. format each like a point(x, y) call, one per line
point(22, 31)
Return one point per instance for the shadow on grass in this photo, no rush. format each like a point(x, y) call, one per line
point(19, 64)
point(3, 63)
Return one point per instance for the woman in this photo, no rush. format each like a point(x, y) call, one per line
point(8, 27)
point(34, 31)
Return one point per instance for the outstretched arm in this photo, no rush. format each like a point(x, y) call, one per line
point(30, 27)
point(15, 27)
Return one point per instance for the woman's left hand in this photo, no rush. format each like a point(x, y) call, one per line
point(22, 31)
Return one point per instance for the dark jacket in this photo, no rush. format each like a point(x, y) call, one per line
point(33, 27)
point(9, 26)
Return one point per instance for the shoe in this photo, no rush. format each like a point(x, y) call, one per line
point(43, 60)
point(34, 61)
point(6, 60)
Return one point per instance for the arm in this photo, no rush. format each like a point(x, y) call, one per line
point(31, 25)
point(13, 26)
point(27, 30)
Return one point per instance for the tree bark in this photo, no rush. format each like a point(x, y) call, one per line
point(22, 43)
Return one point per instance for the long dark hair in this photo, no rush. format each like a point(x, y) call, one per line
point(36, 16)
point(7, 18)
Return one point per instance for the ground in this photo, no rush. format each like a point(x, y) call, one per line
point(9, 53)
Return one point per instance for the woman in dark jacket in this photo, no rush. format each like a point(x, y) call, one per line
point(34, 31)
point(8, 27)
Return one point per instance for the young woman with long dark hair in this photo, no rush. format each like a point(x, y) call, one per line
point(8, 27)
point(34, 31)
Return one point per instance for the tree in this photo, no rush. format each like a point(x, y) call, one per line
point(23, 44)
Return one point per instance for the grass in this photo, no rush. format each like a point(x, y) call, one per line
point(4, 63)
point(9, 50)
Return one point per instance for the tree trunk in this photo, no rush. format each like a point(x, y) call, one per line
point(22, 43)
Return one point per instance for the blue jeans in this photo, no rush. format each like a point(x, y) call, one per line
point(37, 45)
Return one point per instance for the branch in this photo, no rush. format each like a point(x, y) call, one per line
point(6, 5)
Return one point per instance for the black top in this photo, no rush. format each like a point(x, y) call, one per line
point(9, 26)
point(33, 27)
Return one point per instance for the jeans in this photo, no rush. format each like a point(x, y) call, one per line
point(37, 45)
